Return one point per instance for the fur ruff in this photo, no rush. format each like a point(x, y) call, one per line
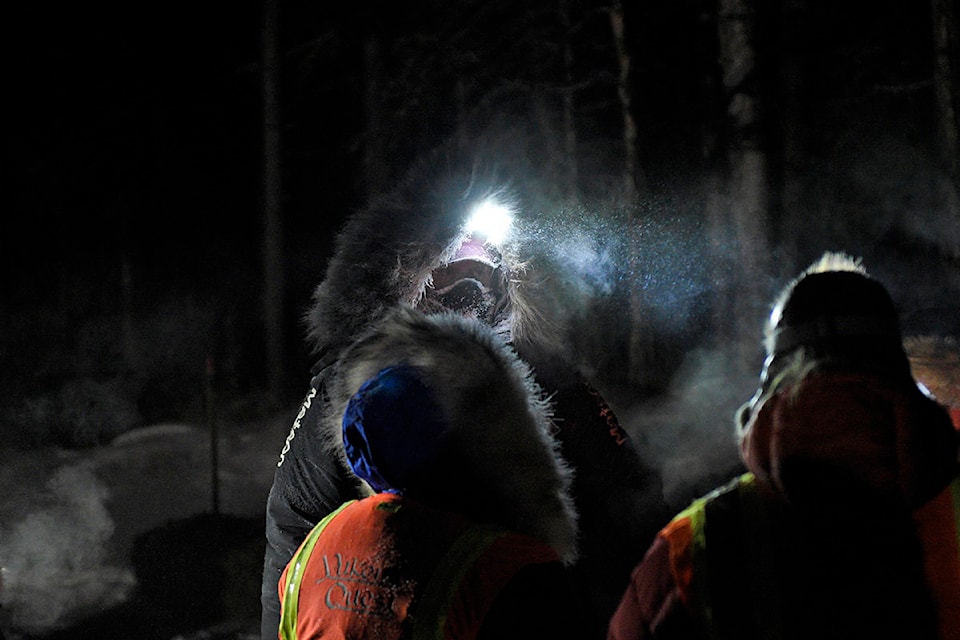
point(501, 462)
point(385, 254)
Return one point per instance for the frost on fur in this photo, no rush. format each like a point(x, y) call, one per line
point(500, 462)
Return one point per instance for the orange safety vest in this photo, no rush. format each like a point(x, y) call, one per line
point(387, 567)
point(735, 511)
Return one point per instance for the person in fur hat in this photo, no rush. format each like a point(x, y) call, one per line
point(467, 520)
point(845, 525)
point(415, 248)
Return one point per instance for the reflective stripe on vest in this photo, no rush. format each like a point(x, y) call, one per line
point(443, 589)
point(291, 583)
point(740, 503)
point(467, 579)
point(693, 587)
point(741, 499)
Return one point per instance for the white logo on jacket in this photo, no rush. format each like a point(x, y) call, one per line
point(296, 424)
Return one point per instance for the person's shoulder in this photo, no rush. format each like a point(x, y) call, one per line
point(692, 516)
point(540, 601)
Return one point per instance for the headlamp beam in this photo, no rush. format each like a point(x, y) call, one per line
point(491, 220)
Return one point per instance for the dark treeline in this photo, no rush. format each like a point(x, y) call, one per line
point(683, 159)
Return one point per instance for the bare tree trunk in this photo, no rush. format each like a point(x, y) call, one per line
point(375, 172)
point(946, 41)
point(570, 167)
point(721, 265)
point(642, 368)
point(127, 332)
point(747, 189)
point(553, 161)
point(555, 120)
point(462, 134)
point(273, 290)
point(631, 174)
point(210, 414)
point(793, 28)
point(712, 151)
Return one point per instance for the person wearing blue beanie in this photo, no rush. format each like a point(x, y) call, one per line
point(457, 536)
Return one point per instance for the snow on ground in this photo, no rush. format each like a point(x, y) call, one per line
point(69, 520)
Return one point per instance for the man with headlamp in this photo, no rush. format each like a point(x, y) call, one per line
point(419, 248)
point(474, 281)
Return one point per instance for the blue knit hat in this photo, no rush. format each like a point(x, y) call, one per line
point(392, 428)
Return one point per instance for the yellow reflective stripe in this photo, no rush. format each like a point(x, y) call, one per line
point(291, 592)
point(696, 514)
point(445, 581)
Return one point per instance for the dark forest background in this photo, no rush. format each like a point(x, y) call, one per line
point(178, 172)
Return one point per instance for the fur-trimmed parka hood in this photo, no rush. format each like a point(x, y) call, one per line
point(385, 254)
point(497, 460)
point(837, 436)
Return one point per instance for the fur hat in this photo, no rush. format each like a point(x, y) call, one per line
point(837, 311)
point(386, 253)
point(453, 418)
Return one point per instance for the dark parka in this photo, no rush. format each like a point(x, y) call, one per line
point(384, 258)
point(471, 527)
point(746, 562)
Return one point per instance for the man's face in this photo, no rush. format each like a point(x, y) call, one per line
point(469, 287)
point(464, 269)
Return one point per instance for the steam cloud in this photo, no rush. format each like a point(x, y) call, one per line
point(688, 433)
point(56, 561)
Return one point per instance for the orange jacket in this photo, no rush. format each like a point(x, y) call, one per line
point(846, 527)
point(386, 567)
point(717, 571)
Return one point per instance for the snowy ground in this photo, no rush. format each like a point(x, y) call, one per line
point(73, 522)
point(114, 541)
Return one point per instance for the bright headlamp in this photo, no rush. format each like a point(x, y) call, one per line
point(491, 220)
